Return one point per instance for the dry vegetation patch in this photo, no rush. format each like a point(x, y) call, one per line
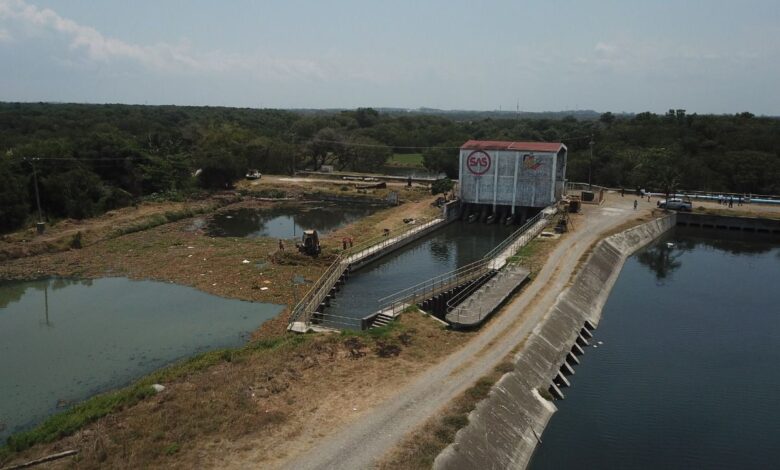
point(260, 404)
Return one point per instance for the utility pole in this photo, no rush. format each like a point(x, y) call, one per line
point(41, 226)
point(590, 163)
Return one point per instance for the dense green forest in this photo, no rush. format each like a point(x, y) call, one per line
point(92, 158)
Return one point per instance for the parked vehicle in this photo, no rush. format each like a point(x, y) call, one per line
point(676, 204)
point(253, 175)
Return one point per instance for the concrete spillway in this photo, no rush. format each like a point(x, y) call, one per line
point(504, 429)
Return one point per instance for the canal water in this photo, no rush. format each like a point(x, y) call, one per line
point(686, 375)
point(442, 251)
point(62, 341)
point(286, 220)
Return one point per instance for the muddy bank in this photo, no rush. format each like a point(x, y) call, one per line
point(504, 429)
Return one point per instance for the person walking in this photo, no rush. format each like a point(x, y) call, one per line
point(636, 203)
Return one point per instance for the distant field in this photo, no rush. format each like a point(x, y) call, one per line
point(409, 160)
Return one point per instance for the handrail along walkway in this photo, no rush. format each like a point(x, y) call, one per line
point(310, 302)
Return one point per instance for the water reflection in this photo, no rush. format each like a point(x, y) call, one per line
point(285, 221)
point(663, 258)
point(13, 291)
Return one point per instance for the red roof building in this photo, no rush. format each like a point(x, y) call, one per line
point(553, 147)
point(501, 176)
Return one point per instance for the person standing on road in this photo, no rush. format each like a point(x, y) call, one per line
point(636, 203)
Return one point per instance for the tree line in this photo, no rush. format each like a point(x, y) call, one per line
point(92, 158)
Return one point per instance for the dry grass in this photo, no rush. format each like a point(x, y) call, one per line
point(419, 449)
point(257, 405)
point(59, 236)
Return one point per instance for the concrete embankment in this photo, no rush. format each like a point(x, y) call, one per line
point(504, 429)
point(736, 224)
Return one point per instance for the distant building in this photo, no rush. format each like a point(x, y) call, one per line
point(508, 181)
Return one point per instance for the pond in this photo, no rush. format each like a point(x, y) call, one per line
point(62, 340)
point(683, 373)
point(286, 220)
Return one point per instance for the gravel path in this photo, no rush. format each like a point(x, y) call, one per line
point(371, 436)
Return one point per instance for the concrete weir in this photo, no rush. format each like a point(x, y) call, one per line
point(504, 429)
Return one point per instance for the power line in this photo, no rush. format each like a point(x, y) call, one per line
point(358, 144)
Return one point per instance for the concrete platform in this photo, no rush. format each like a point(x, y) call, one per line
point(488, 298)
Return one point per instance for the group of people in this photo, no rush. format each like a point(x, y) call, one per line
point(724, 200)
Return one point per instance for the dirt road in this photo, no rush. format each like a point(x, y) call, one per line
point(377, 432)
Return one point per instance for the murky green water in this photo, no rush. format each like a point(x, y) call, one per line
point(686, 375)
point(286, 220)
point(442, 251)
point(62, 341)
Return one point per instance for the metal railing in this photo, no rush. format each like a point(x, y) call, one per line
point(395, 303)
point(693, 194)
point(310, 302)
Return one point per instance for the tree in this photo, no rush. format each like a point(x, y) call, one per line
point(659, 168)
point(441, 186)
point(220, 168)
point(366, 117)
point(607, 118)
point(364, 154)
point(75, 193)
point(325, 143)
point(443, 159)
point(14, 204)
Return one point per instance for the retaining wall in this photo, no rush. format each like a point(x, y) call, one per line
point(407, 239)
point(738, 224)
point(504, 429)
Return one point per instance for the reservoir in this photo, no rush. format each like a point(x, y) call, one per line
point(448, 248)
point(286, 220)
point(685, 376)
point(62, 341)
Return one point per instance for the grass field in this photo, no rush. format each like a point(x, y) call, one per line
point(408, 160)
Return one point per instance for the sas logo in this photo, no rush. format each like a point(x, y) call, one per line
point(478, 162)
point(530, 162)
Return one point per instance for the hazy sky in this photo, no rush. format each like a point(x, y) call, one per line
point(706, 56)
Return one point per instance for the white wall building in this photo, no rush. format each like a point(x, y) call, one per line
point(506, 176)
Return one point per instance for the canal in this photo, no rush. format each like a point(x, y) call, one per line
point(444, 250)
point(681, 374)
point(62, 341)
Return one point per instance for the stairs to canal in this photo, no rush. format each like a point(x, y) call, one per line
point(310, 310)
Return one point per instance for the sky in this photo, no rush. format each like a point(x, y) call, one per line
point(704, 56)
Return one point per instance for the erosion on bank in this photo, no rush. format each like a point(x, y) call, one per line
point(503, 429)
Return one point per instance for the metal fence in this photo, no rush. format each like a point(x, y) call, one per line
point(310, 302)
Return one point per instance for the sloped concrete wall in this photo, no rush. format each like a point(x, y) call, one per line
point(504, 428)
